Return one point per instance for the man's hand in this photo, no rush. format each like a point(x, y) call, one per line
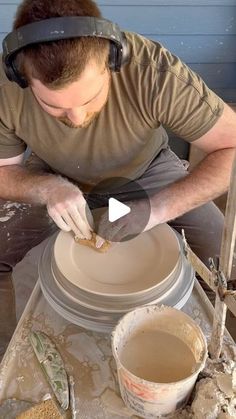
point(139, 219)
point(68, 208)
point(65, 202)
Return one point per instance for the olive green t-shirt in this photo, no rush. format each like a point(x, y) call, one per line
point(155, 88)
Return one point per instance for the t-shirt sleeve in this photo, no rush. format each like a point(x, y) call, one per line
point(34, 163)
point(183, 102)
point(10, 144)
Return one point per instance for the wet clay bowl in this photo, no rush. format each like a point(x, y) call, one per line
point(127, 270)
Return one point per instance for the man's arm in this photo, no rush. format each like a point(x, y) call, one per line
point(19, 184)
point(64, 201)
point(209, 179)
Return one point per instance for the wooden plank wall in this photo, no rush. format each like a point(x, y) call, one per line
point(201, 32)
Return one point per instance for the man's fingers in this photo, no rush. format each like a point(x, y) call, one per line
point(99, 242)
point(85, 212)
point(64, 222)
point(58, 220)
point(89, 216)
point(79, 222)
point(67, 218)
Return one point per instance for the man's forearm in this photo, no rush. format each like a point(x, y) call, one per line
point(64, 201)
point(207, 181)
point(22, 185)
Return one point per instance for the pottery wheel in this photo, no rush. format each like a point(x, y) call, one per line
point(87, 286)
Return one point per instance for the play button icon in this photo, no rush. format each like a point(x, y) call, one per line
point(117, 210)
point(120, 208)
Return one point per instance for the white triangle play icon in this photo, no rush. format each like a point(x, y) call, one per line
point(117, 209)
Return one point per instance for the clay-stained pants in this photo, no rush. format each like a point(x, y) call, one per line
point(24, 226)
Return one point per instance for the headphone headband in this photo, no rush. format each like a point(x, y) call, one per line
point(59, 28)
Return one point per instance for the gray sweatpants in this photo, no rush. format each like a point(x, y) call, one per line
point(24, 226)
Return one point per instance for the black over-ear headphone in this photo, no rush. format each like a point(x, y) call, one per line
point(57, 28)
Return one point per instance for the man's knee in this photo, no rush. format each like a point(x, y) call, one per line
point(203, 229)
point(22, 226)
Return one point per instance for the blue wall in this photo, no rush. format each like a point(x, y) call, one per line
point(201, 32)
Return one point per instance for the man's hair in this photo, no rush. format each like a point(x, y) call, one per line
point(59, 63)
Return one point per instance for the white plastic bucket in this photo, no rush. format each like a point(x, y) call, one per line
point(151, 399)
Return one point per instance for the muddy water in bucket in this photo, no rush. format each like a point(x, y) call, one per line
point(158, 356)
point(159, 352)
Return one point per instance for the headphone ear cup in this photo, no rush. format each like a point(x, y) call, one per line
point(13, 74)
point(125, 51)
point(118, 56)
point(18, 78)
point(8, 71)
point(112, 59)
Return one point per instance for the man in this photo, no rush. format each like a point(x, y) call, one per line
point(86, 124)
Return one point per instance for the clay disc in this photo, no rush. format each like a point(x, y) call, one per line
point(128, 267)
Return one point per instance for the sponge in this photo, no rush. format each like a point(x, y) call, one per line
point(92, 243)
point(43, 410)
